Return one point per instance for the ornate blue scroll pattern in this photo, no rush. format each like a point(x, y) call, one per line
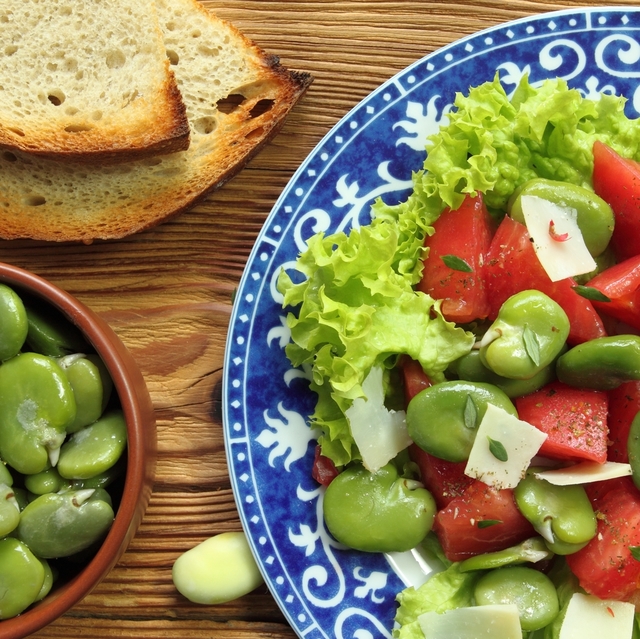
point(326, 590)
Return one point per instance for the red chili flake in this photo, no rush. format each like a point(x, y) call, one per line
point(610, 611)
point(558, 237)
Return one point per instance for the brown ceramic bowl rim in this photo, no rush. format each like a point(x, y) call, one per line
point(141, 451)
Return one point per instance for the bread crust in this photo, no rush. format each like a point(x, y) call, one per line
point(45, 200)
point(87, 101)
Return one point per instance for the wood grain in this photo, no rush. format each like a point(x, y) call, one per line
point(167, 293)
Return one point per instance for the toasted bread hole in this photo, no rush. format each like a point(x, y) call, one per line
point(10, 49)
point(96, 115)
point(52, 66)
point(56, 97)
point(70, 65)
point(78, 128)
point(115, 59)
point(230, 103)
point(261, 107)
point(209, 51)
point(205, 125)
point(35, 200)
point(19, 132)
point(196, 33)
point(174, 58)
point(256, 133)
point(170, 26)
point(7, 156)
point(71, 110)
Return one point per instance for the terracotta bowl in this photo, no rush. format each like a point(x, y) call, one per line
point(135, 489)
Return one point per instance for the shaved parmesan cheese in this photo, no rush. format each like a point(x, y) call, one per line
point(500, 621)
point(584, 473)
point(556, 238)
point(380, 434)
point(588, 617)
point(521, 442)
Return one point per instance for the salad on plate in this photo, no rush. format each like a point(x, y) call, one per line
point(475, 351)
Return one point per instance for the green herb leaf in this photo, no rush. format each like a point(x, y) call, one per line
point(470, 412)
point(635, 552)
point(498, 450)
point(456, 263)
point(531, 345)
point(485, 523)
point(590, 293)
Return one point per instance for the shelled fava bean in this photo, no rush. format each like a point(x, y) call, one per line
point(62, 439)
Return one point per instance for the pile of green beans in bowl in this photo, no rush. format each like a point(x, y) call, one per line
point(62, 439)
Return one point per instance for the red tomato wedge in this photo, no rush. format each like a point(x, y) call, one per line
point(414, 379)
point(605, 567)
point(617, 181)
point(621, 284)
point(464, 233)
point(574, 419)
point(460, 528)
point(624, 404)
point(512, 266)
point(445, 480)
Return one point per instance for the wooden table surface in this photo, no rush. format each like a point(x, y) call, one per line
point(168, 292)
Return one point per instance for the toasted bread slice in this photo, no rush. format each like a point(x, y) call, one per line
point(88, 81)
point(214, 65)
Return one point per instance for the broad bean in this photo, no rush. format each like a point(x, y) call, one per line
point(378, 512)
point(218, 570)
point(471, 368)
point(9, 510)
point(602, 363)
point(50, 333)
point(91, 386)
point(633, 449)
point(95, 448)
point(22, 577)
point(443, 419)
point(528, 334)
point(562, 515)
point(529, 551)
point(62, 524)
point(13, 323)
point(37, 404)
point(530, 590)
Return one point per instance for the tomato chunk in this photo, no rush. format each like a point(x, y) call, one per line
point(460, 529)
point(605, 567)
point(574, 419)
point(624, 404)
point(621, 284)
point(617, 181)
point(414, 378)
point(512, 266)
point(466, 234)
point(323, 470)
point(445, 480)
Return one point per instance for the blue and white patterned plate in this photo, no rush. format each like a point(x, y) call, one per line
point(323, 589)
